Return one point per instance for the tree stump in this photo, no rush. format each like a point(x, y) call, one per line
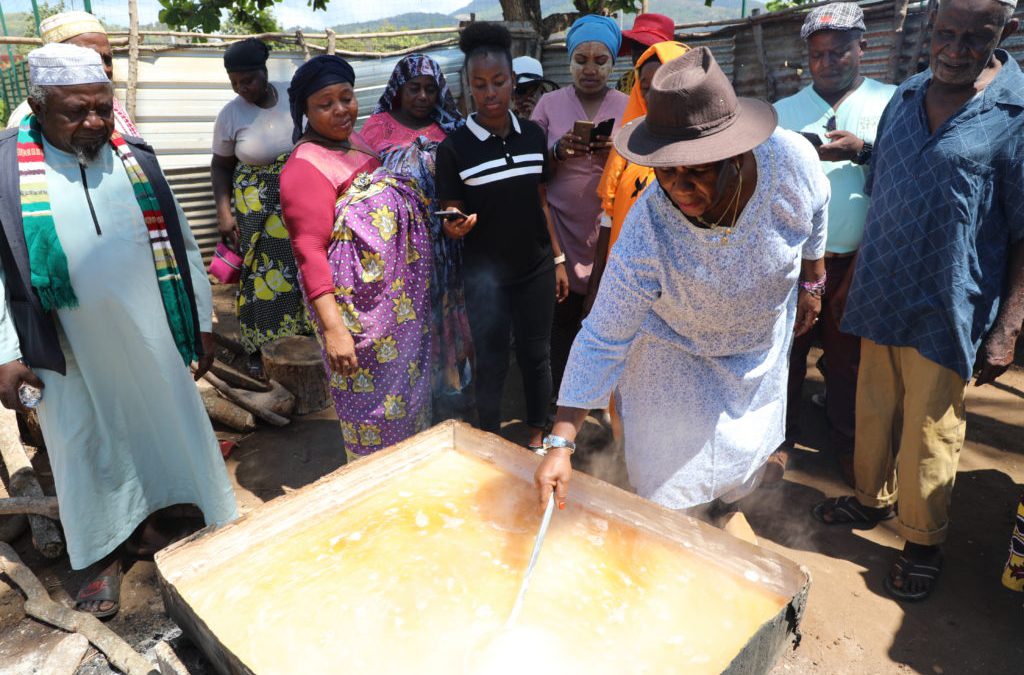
point(296, 363)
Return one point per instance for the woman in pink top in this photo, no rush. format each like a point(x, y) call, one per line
point(576, 166)
point(414, 114)
point(361, 241)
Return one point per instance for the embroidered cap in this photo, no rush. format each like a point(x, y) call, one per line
point(62, 65)
point(834, 16)
point(66, 25)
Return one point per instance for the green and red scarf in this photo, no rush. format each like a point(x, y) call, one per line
point(47, 262)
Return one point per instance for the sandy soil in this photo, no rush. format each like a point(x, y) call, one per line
point(970, 625)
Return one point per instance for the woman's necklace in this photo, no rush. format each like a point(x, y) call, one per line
point(272, 90)
point(734, 205)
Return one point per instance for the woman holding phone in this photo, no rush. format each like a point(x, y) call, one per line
point(579, 122)
point(494, 169)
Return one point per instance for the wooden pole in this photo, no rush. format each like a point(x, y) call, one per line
point(332, 41)
point(771, 86)
point(922, 37)
point(899, 18)
point(133, 57)
point(302, 43)
point(274, 36)
point(23, 483)
point(40, 506)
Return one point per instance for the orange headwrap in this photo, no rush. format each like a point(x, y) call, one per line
point(621, 183)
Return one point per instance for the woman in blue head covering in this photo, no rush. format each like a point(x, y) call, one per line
point(593, 43)
point(362, 243)
point(414, 115)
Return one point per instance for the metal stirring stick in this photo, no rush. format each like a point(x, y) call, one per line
point(545, 521)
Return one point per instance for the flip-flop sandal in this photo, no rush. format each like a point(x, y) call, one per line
point(905, 569)
point(104, 588)
point(848, 511)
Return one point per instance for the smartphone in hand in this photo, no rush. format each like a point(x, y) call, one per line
point(814, 138)
point(585, 130)
point(450, 214)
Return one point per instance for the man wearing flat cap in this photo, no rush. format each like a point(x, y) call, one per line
point(106, 303)
point(84, 30)
point(839, 113)
point(939, 279)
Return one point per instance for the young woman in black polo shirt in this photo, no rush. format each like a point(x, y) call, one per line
point(493, 169)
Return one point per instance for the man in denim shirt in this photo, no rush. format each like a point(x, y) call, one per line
point(940, 273)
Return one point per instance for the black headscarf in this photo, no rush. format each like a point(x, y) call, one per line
point(312, 76)
point(250, 54)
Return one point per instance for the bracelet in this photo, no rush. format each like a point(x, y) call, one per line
point(815, 288)
point(552, 441)
point(554, 149)
point(559, 259)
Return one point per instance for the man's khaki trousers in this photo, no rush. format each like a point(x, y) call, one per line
point(910, 428)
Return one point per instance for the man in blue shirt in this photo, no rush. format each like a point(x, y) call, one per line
point(839, 113)
point(940, 274)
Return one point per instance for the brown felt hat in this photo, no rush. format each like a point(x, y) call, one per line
point(694, 117)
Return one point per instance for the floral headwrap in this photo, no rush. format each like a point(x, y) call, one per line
point(445, 113)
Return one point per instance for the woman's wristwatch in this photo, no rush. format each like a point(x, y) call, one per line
point(554, 149)
point(552, 441)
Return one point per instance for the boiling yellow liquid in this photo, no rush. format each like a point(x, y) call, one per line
point(420, 575)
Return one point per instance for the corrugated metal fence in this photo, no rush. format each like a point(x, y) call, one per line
point(180, 93)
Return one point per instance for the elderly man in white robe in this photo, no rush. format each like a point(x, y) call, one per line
point(105, 305)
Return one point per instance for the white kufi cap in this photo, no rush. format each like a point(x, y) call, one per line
point(61, 65)
point(66, 25)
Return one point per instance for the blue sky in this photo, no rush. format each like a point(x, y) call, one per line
point(289, 13)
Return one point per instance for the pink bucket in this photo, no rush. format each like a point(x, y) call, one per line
point(226, 265)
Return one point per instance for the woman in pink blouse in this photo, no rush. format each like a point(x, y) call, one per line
point(593, 41)
point(361, 241)
point(414, 114)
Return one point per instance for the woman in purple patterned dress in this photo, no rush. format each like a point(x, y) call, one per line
point(361, 240)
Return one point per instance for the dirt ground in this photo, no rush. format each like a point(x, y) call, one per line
point(970, 625)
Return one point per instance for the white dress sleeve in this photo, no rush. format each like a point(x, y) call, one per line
point(10, 346)
point(630, 285)
point(819, 193)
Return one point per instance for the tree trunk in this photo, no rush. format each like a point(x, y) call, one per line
point(523, 10)
point(296, 363)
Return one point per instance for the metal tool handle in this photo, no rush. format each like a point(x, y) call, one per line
point(545, 521)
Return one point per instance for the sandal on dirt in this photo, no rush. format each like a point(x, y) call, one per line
point(848, 511)
point(104, 588)
point(905, 569)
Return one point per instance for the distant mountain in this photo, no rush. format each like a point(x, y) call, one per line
point(682, 11)
point(407, 21)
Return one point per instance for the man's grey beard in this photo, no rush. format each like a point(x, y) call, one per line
point(87, 154)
